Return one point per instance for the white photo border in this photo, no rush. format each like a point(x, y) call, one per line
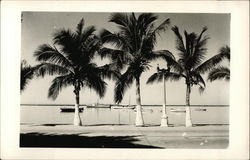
point(239, 82)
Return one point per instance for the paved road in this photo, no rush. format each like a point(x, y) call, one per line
point(127, 136)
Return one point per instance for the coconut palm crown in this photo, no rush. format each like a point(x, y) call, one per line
point(71, 58)
point(132, 50)
point(190, 65)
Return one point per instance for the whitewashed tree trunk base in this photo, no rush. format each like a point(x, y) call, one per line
point(139, 122)
point(139, 118)
point(189, 123)
point(164, 118)
point(188, 117)
point(77, 118)
point(188, 111)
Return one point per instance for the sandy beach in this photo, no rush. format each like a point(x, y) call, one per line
point(124, 136)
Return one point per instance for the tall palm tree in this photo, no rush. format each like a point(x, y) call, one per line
point(190, 65)
point(132, 50)
point(71, 59)
point(27, 73)
point(220, 72)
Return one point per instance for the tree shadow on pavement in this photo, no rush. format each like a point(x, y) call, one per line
point(36, 139)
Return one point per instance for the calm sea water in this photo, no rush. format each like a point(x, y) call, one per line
point(94, 116)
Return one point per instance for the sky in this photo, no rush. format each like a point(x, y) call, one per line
point(38, 28)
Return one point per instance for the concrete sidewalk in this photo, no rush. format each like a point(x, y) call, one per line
point(208, 136)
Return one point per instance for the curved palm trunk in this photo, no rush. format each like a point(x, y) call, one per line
point(77, 118)
point(188, 111)
point(139, 117)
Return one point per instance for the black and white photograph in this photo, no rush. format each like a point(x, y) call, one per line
point(125, 80)
point(122, 80)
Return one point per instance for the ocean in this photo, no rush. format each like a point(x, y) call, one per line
point(105, 116)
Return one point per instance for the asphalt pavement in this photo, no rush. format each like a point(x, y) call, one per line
point(124, 136)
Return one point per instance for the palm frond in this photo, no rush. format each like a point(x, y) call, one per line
point(219, 73)
point(109, 71)
point(147, 19)
point(162, 54)
point(47, 53)
point(169, 59)
point(199, 50)
point(113, 54)
point(124, 82)
point(80, 27)
point(95, 82)
point(156, 77)
point(58, 83)
point(179, 41)
point(115, 39)
point(27, 73)
point(169, 76)
point(197, 79)
point(119, 18)
point(109, 37)
point(201, 89)
point(87, 32)
point(162, 27)
point(225, 52)
point(204, 29)
point(50, 69)
point(89, 50)
point(148, 43)
point(195, 49)
point(213, 61)
point(67, 40)
point(120, 57)
point(133, 22)
point(187, 37)
point(172, 76)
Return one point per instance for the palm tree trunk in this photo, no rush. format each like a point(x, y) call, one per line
point(139, 118)
point(188, 111)
point(164, 118)
point(77, 118)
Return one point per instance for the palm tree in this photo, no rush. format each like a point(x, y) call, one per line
point(132, 50)
point(189, 66)
point(27, 73)
point(220, 72)
point(71, 59)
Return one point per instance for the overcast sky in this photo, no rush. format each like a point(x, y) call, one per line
point(38, 27)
